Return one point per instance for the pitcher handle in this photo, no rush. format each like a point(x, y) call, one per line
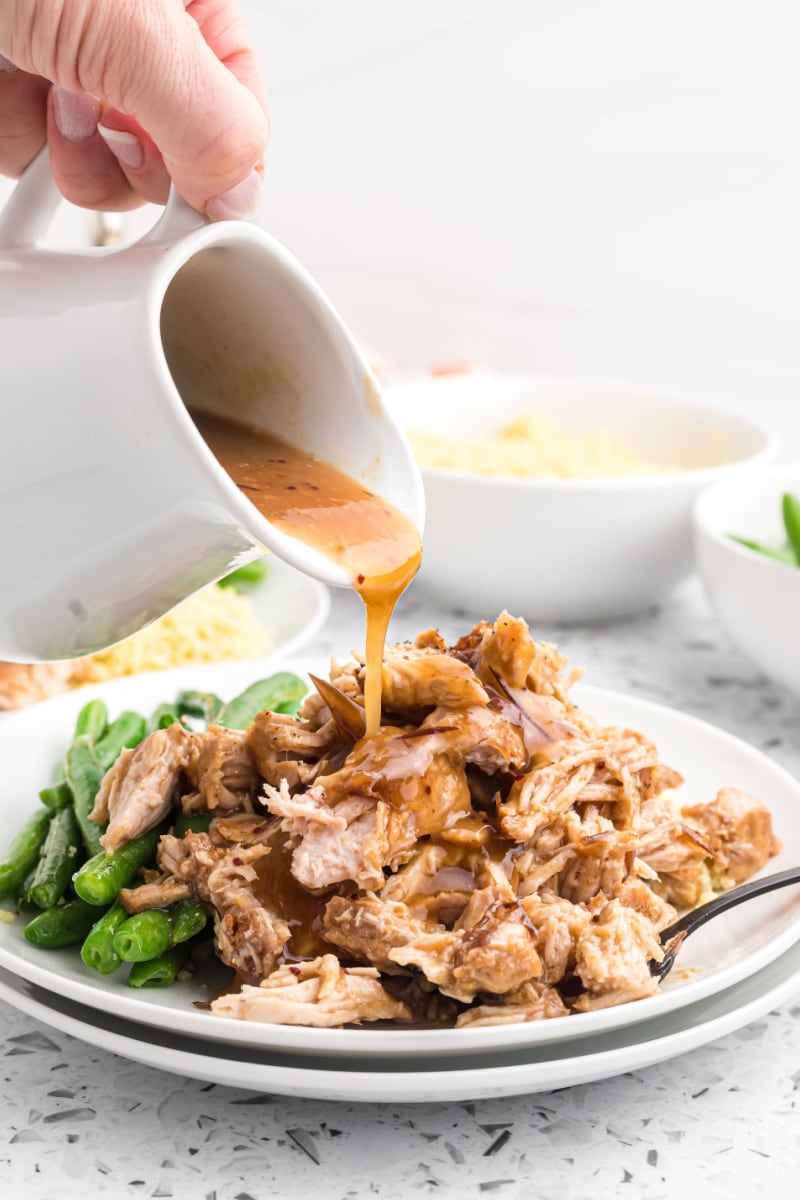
point(31, 206)
point(177, 219)
point(27, 213)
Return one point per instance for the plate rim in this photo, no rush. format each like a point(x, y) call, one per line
point(432, 1086)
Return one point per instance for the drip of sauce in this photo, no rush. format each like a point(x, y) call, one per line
point(377, 545)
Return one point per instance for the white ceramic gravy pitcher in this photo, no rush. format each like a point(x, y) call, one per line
point(112, 507)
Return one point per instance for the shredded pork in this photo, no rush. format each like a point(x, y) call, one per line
point(493, 854)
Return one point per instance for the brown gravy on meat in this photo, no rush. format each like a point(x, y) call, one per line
point(376, 544)
point(278, 890)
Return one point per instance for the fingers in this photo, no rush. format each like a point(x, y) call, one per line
point(210, 128)
point(222, 28)
point(111, 169)
point(188, 77)
point(22, 118)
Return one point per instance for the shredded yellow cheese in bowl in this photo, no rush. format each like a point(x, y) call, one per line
point(533, 444)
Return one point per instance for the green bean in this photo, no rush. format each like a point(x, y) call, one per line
point(98, 950)
point(23, 903)
point(280, 693)
point(23, 853)
point(57, 796)
point(100, 879)
point(791, 519)
point(188, 918)
point(57, 860)
point(92, 721)
point(782, 554)
point(84, 776)
point(245, 577)
point(204, 705)
point(143, 936)
point(123, 734)
point(62, 925)
point(162, 717)
point(191, 823)
point(158, 972)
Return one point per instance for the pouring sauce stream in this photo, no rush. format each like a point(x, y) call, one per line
point(377, 545)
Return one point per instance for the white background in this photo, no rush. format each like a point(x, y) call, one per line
point(593, 187)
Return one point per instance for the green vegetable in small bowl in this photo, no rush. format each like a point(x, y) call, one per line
point(789, 553)
point(246, 577)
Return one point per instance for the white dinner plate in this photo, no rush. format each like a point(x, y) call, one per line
point(462, 1077)
point(725, 951)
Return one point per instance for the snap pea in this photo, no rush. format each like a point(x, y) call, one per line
point(158, 972)
point(791, 519)
point(188, 919)
point(191, 823)
point(23, 853)
point(57, 860)
point(56, 796)
point(279, 693)
point(100, 879)
point(143, 936)
point(84, 776)
point(245, 577)
point(98, 951)
point(124, 733)
point(92, 720)
point(62, 925)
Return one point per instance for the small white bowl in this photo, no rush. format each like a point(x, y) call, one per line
point(756, 599)
point(569, 549)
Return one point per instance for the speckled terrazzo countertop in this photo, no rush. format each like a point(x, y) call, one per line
point(722, 1121)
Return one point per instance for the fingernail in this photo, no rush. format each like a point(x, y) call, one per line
point(7, 65)
point(124, 146)
point(76, 114)
point(239, 201)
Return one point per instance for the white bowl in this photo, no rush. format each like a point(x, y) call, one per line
point(756, 599)
point(569, 549)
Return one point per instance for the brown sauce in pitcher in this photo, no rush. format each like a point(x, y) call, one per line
point(377, 545)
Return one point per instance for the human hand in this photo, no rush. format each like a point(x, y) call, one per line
point(174, 84)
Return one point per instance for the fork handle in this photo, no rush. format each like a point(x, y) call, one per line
point(691, 921)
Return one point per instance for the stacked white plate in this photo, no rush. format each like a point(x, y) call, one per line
point(737, 968)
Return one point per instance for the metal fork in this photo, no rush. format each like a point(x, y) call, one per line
point(673, 937)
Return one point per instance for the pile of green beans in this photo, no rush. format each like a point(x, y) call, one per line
point(57, 865)
point(789, 552)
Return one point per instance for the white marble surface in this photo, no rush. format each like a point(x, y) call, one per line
point(76, 1121)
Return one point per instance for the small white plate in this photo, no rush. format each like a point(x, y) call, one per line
point(466, 1077)
point(724, 952)
point(291, 607)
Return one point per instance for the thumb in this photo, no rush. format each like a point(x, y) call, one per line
point(153, 62)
